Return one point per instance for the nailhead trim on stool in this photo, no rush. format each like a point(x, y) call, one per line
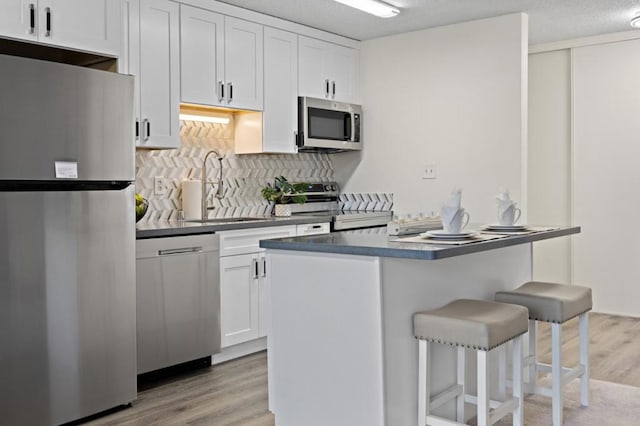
point(481, 325)
point(556, 304)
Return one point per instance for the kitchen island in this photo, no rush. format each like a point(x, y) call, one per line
point(341, 347)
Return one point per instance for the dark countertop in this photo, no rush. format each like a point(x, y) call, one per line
point(181, 228)
point(349, 242)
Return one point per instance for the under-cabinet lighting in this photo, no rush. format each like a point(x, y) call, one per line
point(204, 118)
point(374, 7)
point(635, 21)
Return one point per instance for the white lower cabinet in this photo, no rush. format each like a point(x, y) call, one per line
point(244, 280)
point(239, 291)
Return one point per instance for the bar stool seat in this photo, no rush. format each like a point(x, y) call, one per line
point(549, 302)
point(556, 304)
point(476, 324)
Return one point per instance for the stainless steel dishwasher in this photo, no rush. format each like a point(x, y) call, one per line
point(178, 300)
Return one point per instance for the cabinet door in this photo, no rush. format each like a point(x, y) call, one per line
point(18, 19)
point(159, 74)
point(342, 66)
point(313, 79)
point(90, 25)
point(243, 64)
point(280, 114)
point(239, 298)
point(201, 56)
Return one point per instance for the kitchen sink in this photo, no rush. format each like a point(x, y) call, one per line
point(228, 219)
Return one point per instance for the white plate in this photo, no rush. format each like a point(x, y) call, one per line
point(440, 234)
point(496, 227)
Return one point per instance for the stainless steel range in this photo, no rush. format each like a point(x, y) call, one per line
point(323, 198)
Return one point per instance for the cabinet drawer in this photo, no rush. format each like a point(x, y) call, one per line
point(248, 240)
point(312, 229)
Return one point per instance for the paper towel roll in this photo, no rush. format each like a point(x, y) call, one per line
point(192, 199)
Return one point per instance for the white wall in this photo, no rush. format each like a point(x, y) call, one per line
point(454, 96)
point(583, 154)
point(606, 174)
point(549, 160)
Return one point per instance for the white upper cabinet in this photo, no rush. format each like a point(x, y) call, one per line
point(88, 25)
point(202, 59)
point(327, 70)
point(280, 95)
point(222, 60)
point(158, 73)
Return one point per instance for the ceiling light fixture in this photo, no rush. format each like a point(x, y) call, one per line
point(374, 7)
point(204, 118)
point(635, 21)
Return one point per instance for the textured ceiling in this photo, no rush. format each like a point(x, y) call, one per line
point(549, 20)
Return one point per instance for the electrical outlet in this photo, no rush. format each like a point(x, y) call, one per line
point(429, 171)
point(159, 185)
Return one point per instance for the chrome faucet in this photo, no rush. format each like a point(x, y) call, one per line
point(205, 182)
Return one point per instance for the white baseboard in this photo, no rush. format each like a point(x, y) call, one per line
point(240, 350)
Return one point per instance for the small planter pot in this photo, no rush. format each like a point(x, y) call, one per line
point(282, 210)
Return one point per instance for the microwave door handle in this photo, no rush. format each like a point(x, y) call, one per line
point(348, 126)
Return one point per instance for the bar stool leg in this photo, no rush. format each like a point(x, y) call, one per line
point(460, 373)
point(483, 390)
point(423, 385)
point(583, 324)
point(533, 374)
point(502, 370)
point(556, 373)
point(518, 414)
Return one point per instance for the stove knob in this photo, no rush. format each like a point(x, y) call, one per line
point(334, 187)
point(327, 187)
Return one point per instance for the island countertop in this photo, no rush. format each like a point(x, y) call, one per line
point(381, 245)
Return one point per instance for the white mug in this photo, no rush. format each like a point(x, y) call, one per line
point(457, 222)
point(510, 216)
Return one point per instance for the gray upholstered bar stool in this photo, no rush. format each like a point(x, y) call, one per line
point(554, 303)
point(474, 324)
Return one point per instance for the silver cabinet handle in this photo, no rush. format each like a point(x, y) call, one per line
point(137, 129)
point(145, 130)
point(47, 10)
point(254, 265)
point(32, 18)
point(220, 91)
point(169, 252)
point(230, 99)
point(264, 267)
point(333, 90)
point(326, 88)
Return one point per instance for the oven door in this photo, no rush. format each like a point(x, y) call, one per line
point(328, 125)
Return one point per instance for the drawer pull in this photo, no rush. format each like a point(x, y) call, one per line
point(169, 252)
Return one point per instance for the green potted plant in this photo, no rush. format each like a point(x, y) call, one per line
point(283, 192)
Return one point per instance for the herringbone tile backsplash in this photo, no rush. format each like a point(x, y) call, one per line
point(243, 175)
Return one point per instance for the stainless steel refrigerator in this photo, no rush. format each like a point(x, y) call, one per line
point(67, 242)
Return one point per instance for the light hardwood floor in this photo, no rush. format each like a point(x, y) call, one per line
point(235, 393)
point(614, 347)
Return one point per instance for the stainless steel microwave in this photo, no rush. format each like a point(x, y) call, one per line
point(329, 126)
